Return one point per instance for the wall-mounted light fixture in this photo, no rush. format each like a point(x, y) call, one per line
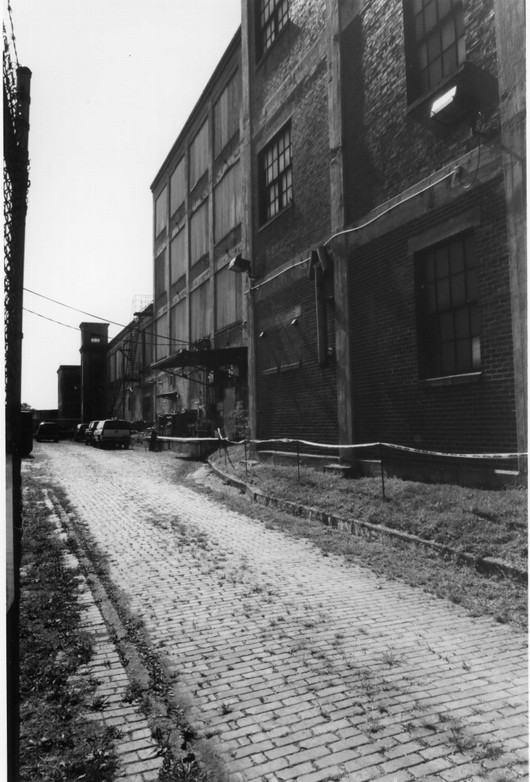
point(452, 106)
point(239, 264)
point(294, 322)
point(262, 334)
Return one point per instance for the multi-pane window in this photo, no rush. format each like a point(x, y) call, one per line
point(200, 312)
point(448, 312)
point(177, 186)
point(273, 16)
point(179, 323)
point(178, 262)
point(162, 337)
point(435, 42)
point(276, 175)
point(199, 155)
point(161, 212)
point(228, 298)
point(227, 203)
point(226, 113)
point(199, 235)
point(160, 280)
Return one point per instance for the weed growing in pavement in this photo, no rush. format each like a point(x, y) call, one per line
point(133, 692)
point(98, 703)
point(460, 740)
point(390, 658)
point(488, 750)
point(324, 710)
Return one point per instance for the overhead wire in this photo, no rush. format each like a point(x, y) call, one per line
point(356, 228)
point(98, 317)
point(89, 331)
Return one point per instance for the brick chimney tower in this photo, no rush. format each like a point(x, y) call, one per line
point(94, 342)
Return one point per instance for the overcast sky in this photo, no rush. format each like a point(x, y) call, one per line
point(113, 82)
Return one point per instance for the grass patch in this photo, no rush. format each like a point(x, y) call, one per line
point(56, 742)
point(475, 521)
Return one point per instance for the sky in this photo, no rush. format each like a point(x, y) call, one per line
point(113, 82)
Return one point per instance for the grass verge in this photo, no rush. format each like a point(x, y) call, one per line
point(56, 743)
point(479, 522)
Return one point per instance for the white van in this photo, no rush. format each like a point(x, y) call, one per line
point(112, 433)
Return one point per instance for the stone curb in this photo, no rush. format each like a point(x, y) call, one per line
point(485, 565)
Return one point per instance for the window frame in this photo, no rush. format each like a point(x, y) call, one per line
point(161, 217)
point(177, 186)
point(425, 77)
point(276, 189)
point(447, 314)
point(269, 28)
point(160, 286)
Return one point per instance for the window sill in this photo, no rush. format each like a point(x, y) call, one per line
point(264, 56)
point(276, 216)
point(450, 380)
point(282, 368)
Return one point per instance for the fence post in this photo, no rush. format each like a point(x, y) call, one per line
point(246, 463)
point(382, 469)
point(298, 459)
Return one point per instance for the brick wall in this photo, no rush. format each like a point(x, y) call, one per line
point(390, 402)
point(290, 83)
point(385, 150)
point(296, 398)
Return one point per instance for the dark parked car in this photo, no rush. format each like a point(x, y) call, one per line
point(112, 433)
point(79, 433)
point(48, 430)
point(89, 432)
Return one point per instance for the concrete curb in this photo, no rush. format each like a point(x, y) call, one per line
point(484, 565)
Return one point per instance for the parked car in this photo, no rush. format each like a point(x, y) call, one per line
point(89, 432)
point(79, 433)
point(47, 430)
point(112, 433)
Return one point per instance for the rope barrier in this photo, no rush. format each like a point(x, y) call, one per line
point(351, 446)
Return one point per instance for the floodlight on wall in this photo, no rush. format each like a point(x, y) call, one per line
point(294, 322)
point(453, 106)
point(262, 334)
point(239, 264)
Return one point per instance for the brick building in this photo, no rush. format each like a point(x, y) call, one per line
point(362, 164)
point(200, 354)
point(69, 391)
point(384, 145)
point(131, 387)
point(93, 350)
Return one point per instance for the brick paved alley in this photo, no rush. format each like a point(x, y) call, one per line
point(297, 665)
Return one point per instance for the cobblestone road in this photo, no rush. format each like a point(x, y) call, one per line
point(302, 666)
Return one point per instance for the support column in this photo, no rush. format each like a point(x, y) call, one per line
point(510, 34)
point(340, 262)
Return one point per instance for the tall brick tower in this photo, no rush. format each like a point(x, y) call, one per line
point(94, 341)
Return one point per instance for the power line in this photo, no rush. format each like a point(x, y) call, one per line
point(98, 317)
point(68, 306)
point(89, 331)
point(66, 325)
